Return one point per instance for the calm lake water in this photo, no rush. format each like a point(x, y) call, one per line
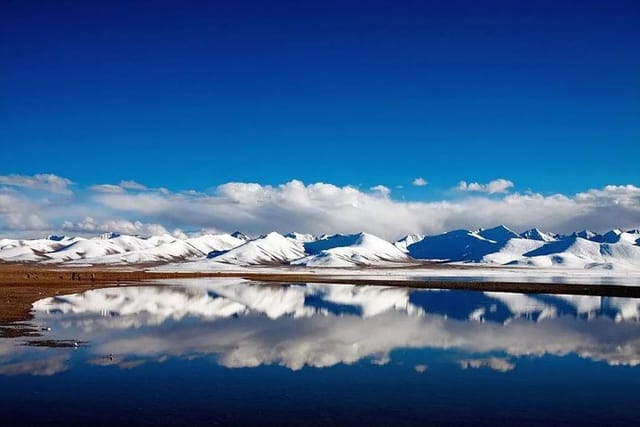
point(211, 352)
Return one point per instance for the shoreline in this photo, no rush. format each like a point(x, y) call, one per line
point(30, 274)
point(23, 284)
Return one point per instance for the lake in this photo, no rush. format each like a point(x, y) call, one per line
point(227, 351)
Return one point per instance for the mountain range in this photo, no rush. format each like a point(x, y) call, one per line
point(497, 246)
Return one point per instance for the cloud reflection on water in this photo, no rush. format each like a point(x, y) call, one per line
point(248, 325)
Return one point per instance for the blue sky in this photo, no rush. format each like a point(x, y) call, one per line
point(195, 94)
point(536, 107)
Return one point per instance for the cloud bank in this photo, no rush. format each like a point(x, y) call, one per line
point(43, 181)
point(316, 208)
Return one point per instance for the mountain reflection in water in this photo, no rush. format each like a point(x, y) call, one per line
point(242, 324)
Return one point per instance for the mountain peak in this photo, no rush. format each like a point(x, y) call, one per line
point(240, 235)
point(612, 236)
point(536, 234)
point(300, 237)
point(498, 233)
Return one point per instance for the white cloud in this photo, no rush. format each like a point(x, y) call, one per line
point(381, 190)
point(313, 208)
point(496, 186)
point(107, 188)
point(121, 226)
point(18, 212)
point(121, 188)
point(320, 207)
point(132, 185)
point(420, 182)
point(43, 181)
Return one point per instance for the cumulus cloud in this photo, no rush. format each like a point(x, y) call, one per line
point(420, 182)
point(318, 208)
point(122, 226)
point(381, 190)
point(18, 212)
point(312, 208)
point(499, 185)
point(43, 181)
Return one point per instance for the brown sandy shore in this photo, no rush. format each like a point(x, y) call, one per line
point(23, 284)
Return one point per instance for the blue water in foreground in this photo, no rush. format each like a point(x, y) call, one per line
point(207, 352)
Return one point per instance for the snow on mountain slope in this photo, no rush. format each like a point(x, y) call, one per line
point(304, 238)
point(407, 240)
point(161, 239)
point(326, 242)
point(214, 242)
point(241, 236)
point(85, 249)
point(350, 250)
point(617, 235)
point(32, 250)
point(615, 249)
point(133, 243)
point(512, 250)
point(177, 250)
point(631, 236)
point(272, 248)
point(457, 245)
point(588, 235)
point(535, 234)
point(577, 252)
point(111, 248)
point(173, 250)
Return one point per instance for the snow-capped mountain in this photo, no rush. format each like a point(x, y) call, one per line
point(457, 245)
point(407, 240)
point(535, 234)
point(240, 235)
point(272, 248)
point(498, 246)
point(115, 249)
point(300, 237)
point(350, 250)
point(577, 252)
point(498, 234)
point(588, 235)
point(32, 250)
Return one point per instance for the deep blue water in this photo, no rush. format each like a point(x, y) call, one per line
point(229, 353)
